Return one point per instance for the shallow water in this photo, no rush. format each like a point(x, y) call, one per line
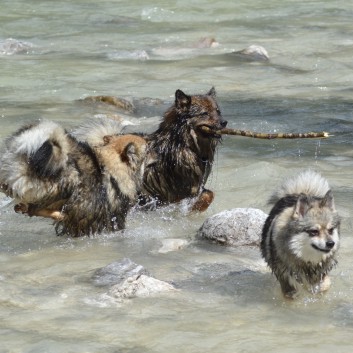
point(227, 300)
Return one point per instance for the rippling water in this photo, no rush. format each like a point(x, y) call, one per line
point(63, 51)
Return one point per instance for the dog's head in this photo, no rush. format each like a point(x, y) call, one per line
point(197, 112)
point(123, 157)
point(317, 223)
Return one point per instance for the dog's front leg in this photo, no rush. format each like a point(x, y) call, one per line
point(288, 289)
point(204, 200)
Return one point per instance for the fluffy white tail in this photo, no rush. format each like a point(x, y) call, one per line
point(307, 182)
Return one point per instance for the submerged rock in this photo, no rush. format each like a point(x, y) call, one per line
point(253, 52)
point(128, 280)
point(170, 244)
point(117, 272)
point(129, 55)
point(12, 46)
point(235, 227)
point(120, 103)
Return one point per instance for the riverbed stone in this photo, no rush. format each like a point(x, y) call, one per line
point(140, 286)
point(235, 227)
point(127, 280)
point(117, 272)
point(253, 53)
point(172, 244)
point(11, 46)
point(117, 102)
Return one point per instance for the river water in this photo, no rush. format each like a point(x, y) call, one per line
point(227, 300)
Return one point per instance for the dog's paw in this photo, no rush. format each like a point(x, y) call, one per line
point(4, 188)
point(21, 208)
point(203, 201)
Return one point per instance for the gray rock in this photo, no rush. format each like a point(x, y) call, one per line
point(172, 245)
point(117, 272)
point(139, 286)
point(12, 46)
point(235, 227)
point(127, 280)
point(253, 53)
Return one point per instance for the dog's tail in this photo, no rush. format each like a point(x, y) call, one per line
point(94, 130)
point(31, 154)
point(307, 182)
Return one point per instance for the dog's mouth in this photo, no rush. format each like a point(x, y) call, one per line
point(211, 131)
point(320, 249)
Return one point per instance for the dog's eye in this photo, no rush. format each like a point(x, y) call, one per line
point(204, 114)
point(330, 231)
point(313, 232)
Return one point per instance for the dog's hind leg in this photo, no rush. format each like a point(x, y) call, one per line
point(53, 211)
point(204, 200)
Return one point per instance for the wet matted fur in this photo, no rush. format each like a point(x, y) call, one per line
point(301, 234)
point(180, 154)
point(86, 189)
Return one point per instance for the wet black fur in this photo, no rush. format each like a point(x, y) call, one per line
point(178, 168)
point(278, 208)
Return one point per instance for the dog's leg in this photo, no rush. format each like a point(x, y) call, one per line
point(288, 290)
point(50, 212)
point(6, 190)
point(324, 284)
point(204, 200)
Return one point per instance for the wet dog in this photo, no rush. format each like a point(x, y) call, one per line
point(180, 153)
point(301, 234)
point(86, 189)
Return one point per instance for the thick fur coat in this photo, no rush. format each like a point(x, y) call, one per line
point(85, 188)
point(300, 237)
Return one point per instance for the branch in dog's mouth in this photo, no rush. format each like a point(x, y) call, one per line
point(264, 135)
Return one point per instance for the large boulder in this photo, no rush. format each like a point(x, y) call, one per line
point(235, 227)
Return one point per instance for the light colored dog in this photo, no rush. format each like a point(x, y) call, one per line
point(301, 234)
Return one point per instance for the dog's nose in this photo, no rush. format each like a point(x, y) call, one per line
point(330, 244)
point(224, 123)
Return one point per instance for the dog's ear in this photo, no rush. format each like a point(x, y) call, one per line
point(182, 100)
point(107, 139)
point(130, 154)
point(328, 201)
point(301, 207)
point(212, 92)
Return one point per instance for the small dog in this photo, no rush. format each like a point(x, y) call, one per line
point(86, 189)
point(180, 153)
point(301, 234)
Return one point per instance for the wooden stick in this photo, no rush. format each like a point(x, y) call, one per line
point(268, 136)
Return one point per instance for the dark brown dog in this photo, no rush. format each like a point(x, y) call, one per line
point(180, 154)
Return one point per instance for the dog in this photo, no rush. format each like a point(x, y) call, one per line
point(86, 189)
point(180, 153)
point(301, 235)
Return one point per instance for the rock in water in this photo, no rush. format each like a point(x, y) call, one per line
point(235, 227)
point(253, 53)
point(117, 272)
point(139, 286)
